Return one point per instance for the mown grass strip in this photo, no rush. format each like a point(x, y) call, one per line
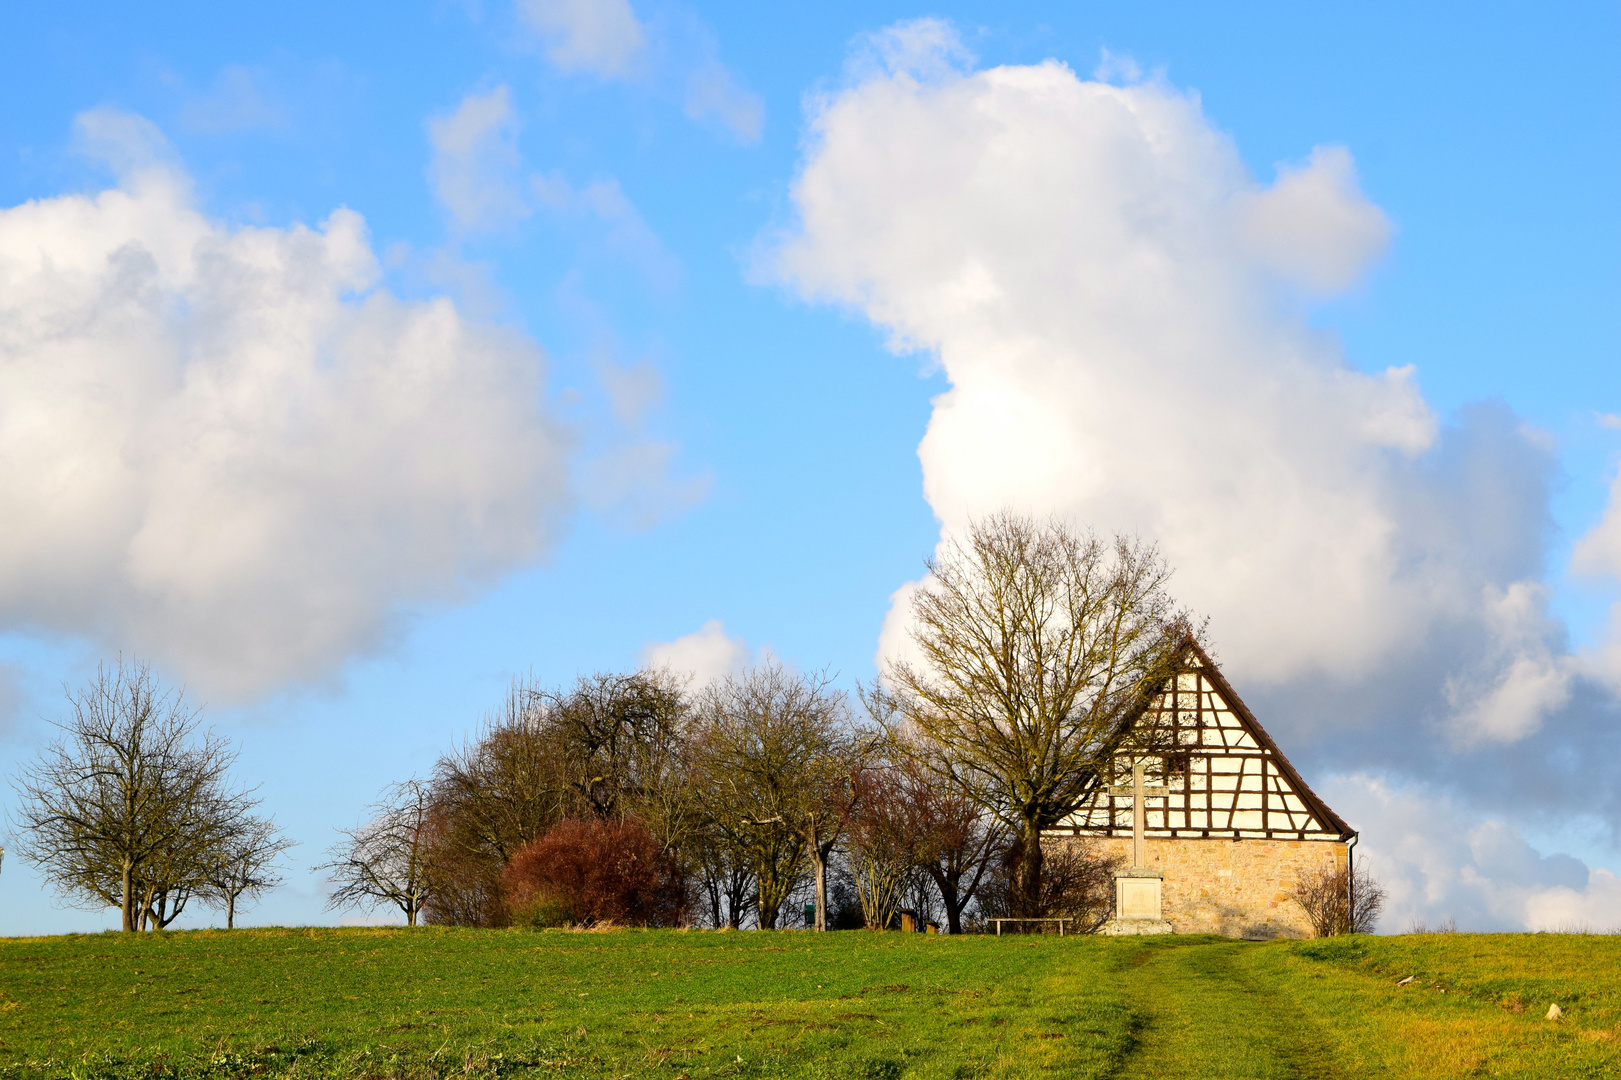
point(1204, 1012)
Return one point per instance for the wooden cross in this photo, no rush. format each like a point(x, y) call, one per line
point(1137, 792)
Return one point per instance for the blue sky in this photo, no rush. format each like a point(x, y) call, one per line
point(695, 414)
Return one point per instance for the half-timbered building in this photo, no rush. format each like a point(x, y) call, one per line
point(1229, 827)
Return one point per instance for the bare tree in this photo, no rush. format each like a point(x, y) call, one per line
point(721, 867)
point(1367, 900)
point(1340, 900)
point(244, 867)
point(131, 808)
point(491, 797)
point(882, 848)
point(618, 735)
point(1077, 883)
point(386, 860)
point(774, 757)
point(506, 786)
point(955, 841)
point(1040, 648)
point(609, 746)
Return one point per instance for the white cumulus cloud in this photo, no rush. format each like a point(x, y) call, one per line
point(706, 654)
point(1119, 307)
point(1598, 552)
point(1312, 225)
point(1522, 677)
point(230, 450)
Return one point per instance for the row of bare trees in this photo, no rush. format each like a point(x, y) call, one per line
point(1036, 651)
point(746, 786)
point(133, 808)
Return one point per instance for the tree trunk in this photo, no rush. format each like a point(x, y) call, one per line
point(129, 897)
point(737, 897)
point(950, 899)
point(821, 891)
point(230, 911)
point(1030, 860)
point(712, 887)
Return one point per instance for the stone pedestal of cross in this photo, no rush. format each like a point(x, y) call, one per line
point(1138, 892)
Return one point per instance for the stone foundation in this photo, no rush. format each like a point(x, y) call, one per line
point(1238, 888)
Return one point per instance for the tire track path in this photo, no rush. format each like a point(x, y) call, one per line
point(1204, 1013)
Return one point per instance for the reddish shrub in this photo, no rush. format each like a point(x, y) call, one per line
point(596, 871)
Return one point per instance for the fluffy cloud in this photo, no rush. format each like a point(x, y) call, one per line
point(229, 449)
point(1312, 225)
point(1599, 551)
point(1521, 678)
point(1597, 554)
point(601, 37)
point(1438, 861)
point(1118, 305)
point(707, 654)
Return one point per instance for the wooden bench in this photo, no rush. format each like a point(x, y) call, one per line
point(1060, 923)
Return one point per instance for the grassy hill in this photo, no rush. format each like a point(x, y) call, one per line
point(435, 1003)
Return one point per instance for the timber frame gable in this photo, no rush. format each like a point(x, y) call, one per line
point(1225, 778)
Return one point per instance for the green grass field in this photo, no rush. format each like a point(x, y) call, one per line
point(397, 1003)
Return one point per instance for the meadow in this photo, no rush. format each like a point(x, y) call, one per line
point(681, 1005)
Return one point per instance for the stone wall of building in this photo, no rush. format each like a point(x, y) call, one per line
point(1239, 888)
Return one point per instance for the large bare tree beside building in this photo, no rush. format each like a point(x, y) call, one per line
point(1038, 646)
point(131, 809)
